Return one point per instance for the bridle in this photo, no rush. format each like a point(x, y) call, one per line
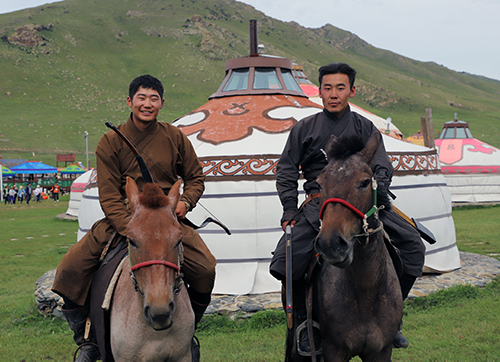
point(176, 267)
point(367, 231)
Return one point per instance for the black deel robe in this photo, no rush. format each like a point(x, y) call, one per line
point(303, 155)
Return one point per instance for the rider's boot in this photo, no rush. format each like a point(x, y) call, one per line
point(77, 319)
point(199, 303)
point(299, 307)
point(406, 282)
point(400, 341)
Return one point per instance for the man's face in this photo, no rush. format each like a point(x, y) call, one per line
point(335, 92)
point(145, 104)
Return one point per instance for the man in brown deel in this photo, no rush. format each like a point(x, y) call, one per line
point(168, 154)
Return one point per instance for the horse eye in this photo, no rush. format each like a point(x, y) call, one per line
point(365, 184)
point(132, 243)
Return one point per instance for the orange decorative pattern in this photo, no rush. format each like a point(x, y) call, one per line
point(240, 167)
point(223, 121)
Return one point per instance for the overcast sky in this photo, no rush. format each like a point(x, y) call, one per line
point(462, 35)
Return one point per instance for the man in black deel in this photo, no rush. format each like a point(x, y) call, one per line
point(303, 154)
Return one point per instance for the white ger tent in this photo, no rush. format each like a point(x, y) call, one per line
point(90, 209)
point(76, 193)
point(239, 135)
point(471, 167)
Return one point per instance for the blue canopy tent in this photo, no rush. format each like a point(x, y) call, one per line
point(33, 168)
point(72, 170)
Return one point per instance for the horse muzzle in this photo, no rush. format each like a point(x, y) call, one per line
point(160, 318)
point(335, 250)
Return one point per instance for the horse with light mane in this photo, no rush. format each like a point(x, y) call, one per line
point(151, 315)
point(359, 296)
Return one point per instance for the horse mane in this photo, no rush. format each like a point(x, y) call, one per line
point(341, 148)
point(152, 196)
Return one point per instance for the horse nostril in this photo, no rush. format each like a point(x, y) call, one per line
point(147, 314)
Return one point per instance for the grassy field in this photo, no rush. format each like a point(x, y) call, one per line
point(459, 324)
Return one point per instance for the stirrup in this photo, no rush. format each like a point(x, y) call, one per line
point(298, 333)
point(89, 352)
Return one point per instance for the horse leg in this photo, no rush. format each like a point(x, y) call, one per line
point(383, 356)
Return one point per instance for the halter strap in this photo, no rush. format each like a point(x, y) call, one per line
point(351, 207)
point(373, 210)
point(335, 200)
point(178, 280)
point(155, 262)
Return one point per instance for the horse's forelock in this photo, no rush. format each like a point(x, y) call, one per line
point(343, 147)
point(152, 196)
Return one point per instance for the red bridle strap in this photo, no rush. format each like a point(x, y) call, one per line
point(343, 202)
point(155, 262)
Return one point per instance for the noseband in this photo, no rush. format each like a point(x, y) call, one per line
point(155, 262)
point(373, 211)
point(178, 279)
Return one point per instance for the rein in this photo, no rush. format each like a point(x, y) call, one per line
point(373, 211)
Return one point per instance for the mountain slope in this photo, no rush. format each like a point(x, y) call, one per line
point(66, 69)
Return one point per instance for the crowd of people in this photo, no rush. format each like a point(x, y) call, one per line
point(13, 194)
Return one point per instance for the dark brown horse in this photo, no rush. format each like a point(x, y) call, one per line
point(151, 315)
point(359, 296)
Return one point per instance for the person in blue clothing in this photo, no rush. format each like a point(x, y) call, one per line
point(20, 194)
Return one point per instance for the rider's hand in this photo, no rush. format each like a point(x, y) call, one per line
point(284, 224)
point(289, 217)
point(181, 210)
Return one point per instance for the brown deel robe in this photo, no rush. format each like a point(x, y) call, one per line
point(166, 151)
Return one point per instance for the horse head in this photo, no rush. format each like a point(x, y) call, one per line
point(347, 187)
point(154, 237)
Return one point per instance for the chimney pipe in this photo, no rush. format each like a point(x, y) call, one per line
point(254, 40)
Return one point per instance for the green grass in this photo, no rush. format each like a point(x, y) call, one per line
point(32, 242)
point(458, 324)
point(476, 233)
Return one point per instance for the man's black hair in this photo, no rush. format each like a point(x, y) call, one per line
point(145, 81)
point(335, 68)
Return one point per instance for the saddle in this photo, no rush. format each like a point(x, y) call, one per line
point(100, 317)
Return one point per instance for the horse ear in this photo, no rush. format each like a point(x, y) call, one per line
point(329, 146)
point(132, 192)
point(174, 194)
point(371, 147)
